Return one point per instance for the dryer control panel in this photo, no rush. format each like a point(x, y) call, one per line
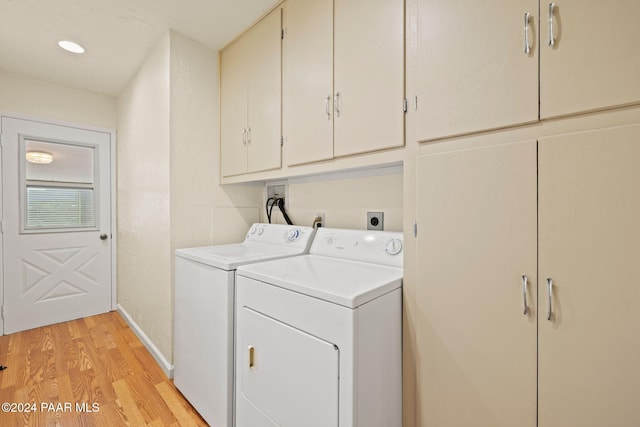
point(280, 234)
point(377, 247)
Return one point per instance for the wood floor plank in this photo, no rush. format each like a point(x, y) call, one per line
point(153, 373)
point(131, 410)
point(83, 384)
point(65, 395)
point(110, 415)
point(84, 358)
point(77, 328)
point(90, 321)
point(176, 404)
point(11, 358)
point(64, 348)
point(47, 339)
point(151, 406)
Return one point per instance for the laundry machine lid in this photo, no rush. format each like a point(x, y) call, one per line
point(345, 282)
point(263, 242)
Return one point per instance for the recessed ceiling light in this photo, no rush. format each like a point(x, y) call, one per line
point(71, 46)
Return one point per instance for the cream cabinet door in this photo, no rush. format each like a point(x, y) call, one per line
point(308, 81)
point(233, 109)
point(476, 215)
point(264, 94)
point(368, 75)
point(473, 71)
point(588, 242)
point(594, 61)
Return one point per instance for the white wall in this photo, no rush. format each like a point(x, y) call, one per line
point(168, 192)
point(202, 212)
point(29, 96)
point(143, 199)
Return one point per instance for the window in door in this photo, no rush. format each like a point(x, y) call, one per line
point(57, 187)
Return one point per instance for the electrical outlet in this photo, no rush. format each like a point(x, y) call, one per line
point(319, 223)
point(375, 220)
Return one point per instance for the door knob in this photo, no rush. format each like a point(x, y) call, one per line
point(103, 237)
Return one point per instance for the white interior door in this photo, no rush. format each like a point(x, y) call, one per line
point(56, 224)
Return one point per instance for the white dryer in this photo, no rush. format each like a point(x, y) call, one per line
point(204, 313)
point(319, 336)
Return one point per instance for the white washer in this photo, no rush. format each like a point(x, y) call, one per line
point(204, 313)
point(319, 336)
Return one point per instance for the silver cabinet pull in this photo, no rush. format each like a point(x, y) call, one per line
point(326, 106)
point(527, 46)
point(524, 294)
point(552, 40)
point(244, 136)
point(550, 293)
point(336, 104)
point(249, 135)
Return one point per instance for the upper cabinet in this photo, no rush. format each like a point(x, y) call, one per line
point(308, 80)
point(343, 78)
point(250, 97)
point(477, 66)
point(368, 75)
point(478, 62)
point(588, 55)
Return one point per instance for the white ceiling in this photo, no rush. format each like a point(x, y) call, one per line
point(117, 35)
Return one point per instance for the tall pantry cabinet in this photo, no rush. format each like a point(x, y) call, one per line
point(489, 65)
point(528, 266)
point(476, 215)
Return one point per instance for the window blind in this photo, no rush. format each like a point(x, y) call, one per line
point(60, 207)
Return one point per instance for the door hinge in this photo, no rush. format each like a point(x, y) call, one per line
point(2, 311)
point(282, 141)
point(1, 227)
point(282, 34)
point(415, 229)
point(405, 105)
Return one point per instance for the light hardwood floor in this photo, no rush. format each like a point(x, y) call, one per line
point(87, 372)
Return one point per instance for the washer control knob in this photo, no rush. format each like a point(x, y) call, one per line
point(393, 246)
point(293, 234)
point(260, 230)
point(252, 230)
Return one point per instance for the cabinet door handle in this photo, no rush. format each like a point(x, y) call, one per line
point(550, 293)
point(552, 40)
point(336, 104)
point(244, 136)
point(326, 106)
point(248, 135)
point(524, 294)
point(527, 46)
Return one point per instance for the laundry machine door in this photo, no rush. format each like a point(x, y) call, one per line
point(286, 377)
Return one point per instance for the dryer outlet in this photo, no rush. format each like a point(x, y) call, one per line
point(375, 220)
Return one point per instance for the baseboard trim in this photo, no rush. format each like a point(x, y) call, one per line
point(157, 355)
